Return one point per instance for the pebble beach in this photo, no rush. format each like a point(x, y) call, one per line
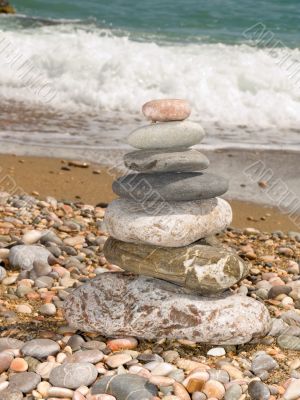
point(64, 241)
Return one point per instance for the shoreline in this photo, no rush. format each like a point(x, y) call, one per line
point(46, 176)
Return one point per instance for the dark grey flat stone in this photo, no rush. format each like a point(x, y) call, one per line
point(170, 186)
point(168, 160)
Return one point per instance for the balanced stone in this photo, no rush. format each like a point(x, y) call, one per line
point(122, 304)
point(170, 224)
point(204, 269)
point(166, 134)
point(170, 186)
point(166, 110)
point(168, 160)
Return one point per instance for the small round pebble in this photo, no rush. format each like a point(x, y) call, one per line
point(48, 309)
point(19, 365)
point(216, 352)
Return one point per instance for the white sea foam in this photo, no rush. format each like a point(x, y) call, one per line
point(93, 70)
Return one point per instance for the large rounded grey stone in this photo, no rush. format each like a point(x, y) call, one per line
point(73, 375)
point(203, 269)
point(119, 304)
point(170, 186)
point(170, 224)
point(166, 135)
point(168, 160)
point(125, 387)
point(23, 256)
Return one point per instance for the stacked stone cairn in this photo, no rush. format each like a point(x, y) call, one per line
point(178, 276)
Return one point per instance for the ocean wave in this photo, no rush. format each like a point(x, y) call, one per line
point(95, 70)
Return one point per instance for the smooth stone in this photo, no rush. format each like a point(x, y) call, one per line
point(288, 342)
point(115, 360)
point(24, 381)
point(23, 256)
point(73, 375)
point(32, 236)
point(168, 160)
point(170, 186)
point(204, 269)
point(164, 110)
point(122, 304)
point(10, 343)
point(125, 387)
point(293, 390)
point(90, 356)
point(258, 391)
point(216, 352)
point(172, 224)
point(40, 348)
point(3, 273)
point(263, 362)
point(60, 392)
point(5, 360)
point(234, 392)
point(166, 135)
point(47, 309)
point(11, 394)
point(44, 369)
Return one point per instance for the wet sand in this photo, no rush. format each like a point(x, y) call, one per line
point(43, 177)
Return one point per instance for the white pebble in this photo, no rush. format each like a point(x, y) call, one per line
point(216, 352)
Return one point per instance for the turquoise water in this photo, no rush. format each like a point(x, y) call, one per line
point(221, 21)
point(80, 70)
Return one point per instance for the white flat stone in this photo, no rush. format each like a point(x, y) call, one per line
point(170, 224)
point(166, 135)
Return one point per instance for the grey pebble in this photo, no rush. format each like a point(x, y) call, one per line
point(127, 386)
point(24, 381)
point(234, 392)
point(73, 375)
point(40, 348)
point(258, 391)
point(263, 362)
point(288, 342)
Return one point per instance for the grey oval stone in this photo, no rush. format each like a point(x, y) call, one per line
point(40, 348)
point(73, 375)
point(258, 391)
point(23, 256)
point(91, 356)
point(263, 362)
point(168, 160)
point(203, 269)
point(125, 387)
point(170, 186)
point(25, 381)
point(234, 392)
point(288, 342)
point(166, 135)
point(120, 304)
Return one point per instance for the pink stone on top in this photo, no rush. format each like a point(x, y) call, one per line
point(166, 110)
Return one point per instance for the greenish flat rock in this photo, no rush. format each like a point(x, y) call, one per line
point(202, 269)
